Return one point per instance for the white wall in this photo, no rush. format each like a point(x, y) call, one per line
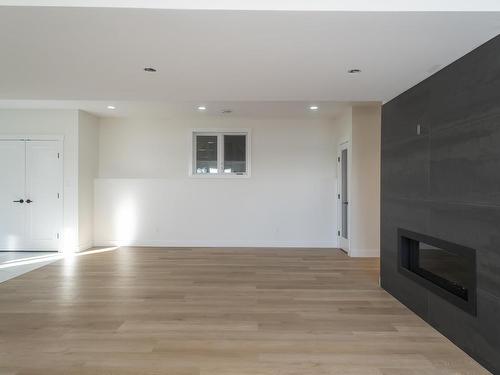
point(360, 126)
point(145, 197)
point(52, 122)
point(365, 181)
point(88, 168)
point(343, 127)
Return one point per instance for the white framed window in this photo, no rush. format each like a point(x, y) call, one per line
point(220, 153)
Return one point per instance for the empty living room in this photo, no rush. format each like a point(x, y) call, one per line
point(242, 187)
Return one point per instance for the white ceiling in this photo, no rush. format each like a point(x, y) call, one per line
point(142, 109)
point(335, 5)
point(98, 54)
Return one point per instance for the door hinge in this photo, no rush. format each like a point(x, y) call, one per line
point(58, 156)
point(58, 196)
point(338, 159)
point(338, 233)
point(57, 235)
point(338, 196)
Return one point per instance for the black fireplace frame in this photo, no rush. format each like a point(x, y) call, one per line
point(408, 248)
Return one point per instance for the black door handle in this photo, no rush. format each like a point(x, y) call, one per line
point(19, 201)
point(29, 201)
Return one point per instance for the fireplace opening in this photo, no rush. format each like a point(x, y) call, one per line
point(446, 269)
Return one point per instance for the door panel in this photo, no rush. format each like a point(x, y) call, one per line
point(43, 195)
point(12, 214)
point(343, 198)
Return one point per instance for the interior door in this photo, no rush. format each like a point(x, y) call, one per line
point(12, 194)
point(43, 195)
point(343, 197)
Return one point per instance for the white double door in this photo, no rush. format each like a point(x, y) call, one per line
point(31, 204)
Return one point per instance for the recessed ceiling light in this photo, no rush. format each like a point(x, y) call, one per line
point(354, 71)
point(202, 108)
point(149, 69)
point(313, 107)
point(111, 107)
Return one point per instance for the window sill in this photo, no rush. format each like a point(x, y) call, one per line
point(219, 176)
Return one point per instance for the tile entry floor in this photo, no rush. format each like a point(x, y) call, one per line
point(16, 263)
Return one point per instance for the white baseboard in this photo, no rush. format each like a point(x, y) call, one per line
point(173, 243)
point(85, 246)
point(364, 253)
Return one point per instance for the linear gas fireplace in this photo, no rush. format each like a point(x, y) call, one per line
point(444, 268)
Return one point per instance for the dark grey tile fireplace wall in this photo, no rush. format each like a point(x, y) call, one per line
point(445, 183)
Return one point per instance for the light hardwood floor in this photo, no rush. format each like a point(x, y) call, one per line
point(215, 312)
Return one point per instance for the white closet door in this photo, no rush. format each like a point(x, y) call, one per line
point(43, 195)
point(12, 214)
